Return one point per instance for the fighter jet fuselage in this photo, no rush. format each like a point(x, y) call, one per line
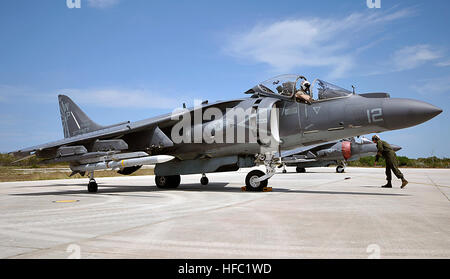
point(228, 135)
point(323, 121)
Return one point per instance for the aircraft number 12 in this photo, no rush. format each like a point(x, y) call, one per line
point(375, 115)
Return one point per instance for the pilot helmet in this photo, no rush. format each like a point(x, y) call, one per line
point(305, 85)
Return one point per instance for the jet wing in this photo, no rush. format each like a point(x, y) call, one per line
point(114, 131)
point(291, 160)
point(303, 149)
point(103, 133)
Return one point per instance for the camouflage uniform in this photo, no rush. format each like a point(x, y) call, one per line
point(386, 151)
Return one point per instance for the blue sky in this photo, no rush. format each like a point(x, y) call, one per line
point(132, 59)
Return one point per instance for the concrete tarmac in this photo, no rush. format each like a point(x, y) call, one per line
point(318, 214)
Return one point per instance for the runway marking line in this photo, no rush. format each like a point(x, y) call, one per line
point(66, 201)
point(437, 187)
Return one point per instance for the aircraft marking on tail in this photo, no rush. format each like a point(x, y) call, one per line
point(74, 118)
point(80, 124)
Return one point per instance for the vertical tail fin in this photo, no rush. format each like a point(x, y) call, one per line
point(74, 120)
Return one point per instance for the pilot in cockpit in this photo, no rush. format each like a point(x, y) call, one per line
point(289, 89)
point(304, 93)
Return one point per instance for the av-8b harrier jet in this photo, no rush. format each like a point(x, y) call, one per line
point(228, 135)
point(330, 153)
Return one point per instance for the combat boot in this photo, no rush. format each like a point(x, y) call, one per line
point(404, 183)
point(388, 185)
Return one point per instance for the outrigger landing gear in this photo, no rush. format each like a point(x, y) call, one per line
point(92, 186)
point(204, 180)
point(257, 180)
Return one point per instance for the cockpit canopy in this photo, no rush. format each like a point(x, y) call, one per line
point(284, 85)
point(325, 90)
point(287, 85)
point(365, 140)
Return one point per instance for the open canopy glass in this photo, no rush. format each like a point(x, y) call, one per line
point(288, 85)
point(324, 90)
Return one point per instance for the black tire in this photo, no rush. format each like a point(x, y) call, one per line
point(255, 187)
point(284, 171)
point(340, 169)
point(204, 180)
point(92, 187)
point(168, 182)
point(300, 170)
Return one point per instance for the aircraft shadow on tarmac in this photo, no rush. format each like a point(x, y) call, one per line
point(54, 185)
point(211, 187)
point(336, 192)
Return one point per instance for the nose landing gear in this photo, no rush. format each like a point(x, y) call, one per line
point(341, 168)
point(253, 182)
point(256, 180)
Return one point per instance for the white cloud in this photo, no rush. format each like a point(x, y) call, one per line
point(434, 86)
point(9, 93)
point(411, 57)
point(101, 4)
point(310, 42)
point(443, 63)
point(103, 97)
point(124, 98)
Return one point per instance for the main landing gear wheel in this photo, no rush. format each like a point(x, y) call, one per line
point(168, 182)
point(340, 169)
point(251, 184)
point(92, 186)
point(300, 170)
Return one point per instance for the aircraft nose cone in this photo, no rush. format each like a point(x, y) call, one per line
point(403, 113)
point(396, 147)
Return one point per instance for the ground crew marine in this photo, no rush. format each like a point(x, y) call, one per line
point(386, 151)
